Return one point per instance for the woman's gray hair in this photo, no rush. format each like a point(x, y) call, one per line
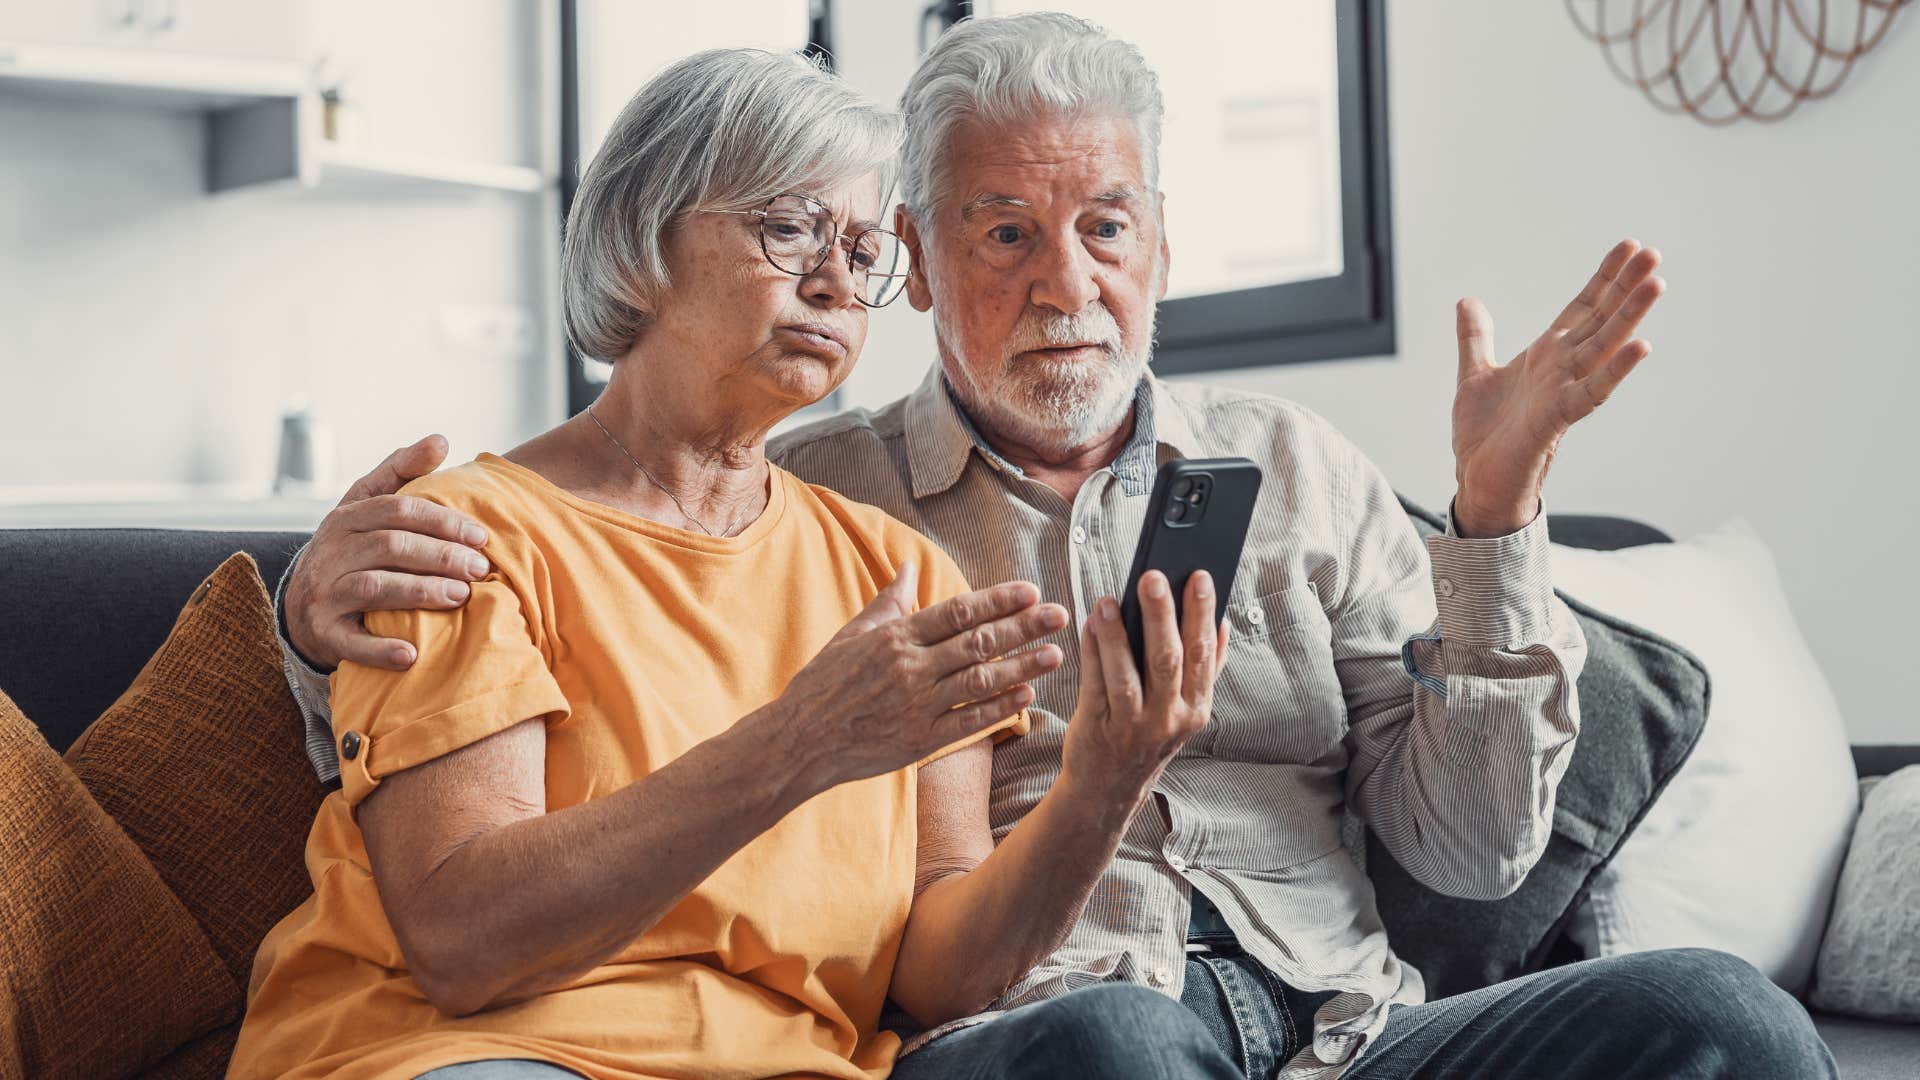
point(724, 129)
point(1001, 70)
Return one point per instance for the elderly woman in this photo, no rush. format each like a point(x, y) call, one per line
point(659, 799)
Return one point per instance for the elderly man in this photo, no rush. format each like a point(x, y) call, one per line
point(1429, 689)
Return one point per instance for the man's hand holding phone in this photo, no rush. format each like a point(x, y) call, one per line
point(1127, 726)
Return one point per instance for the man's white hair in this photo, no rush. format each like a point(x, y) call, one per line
point(723, 129)
point(1001, 70)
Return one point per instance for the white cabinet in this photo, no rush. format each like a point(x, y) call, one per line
point(70, 22)
point(252, 29)
point(241, 63)
point(205, 54)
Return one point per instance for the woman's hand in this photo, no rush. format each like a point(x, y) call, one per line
point(1125, 728)
point(893, 687)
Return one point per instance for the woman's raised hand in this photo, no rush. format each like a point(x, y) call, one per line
point(895, 685)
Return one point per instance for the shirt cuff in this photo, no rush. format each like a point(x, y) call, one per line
point(1494, 591)
point(310, 687)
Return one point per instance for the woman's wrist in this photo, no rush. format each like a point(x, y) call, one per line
point(770, 737)
point(1105, 802)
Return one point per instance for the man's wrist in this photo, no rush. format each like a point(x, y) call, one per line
point(285, 629)
point(1471, 523)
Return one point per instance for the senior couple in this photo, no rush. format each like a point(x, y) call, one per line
point(664, 751)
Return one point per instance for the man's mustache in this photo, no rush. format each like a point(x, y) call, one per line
point(1094, 326)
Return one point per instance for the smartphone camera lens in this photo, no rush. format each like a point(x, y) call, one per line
point(1181, 487)
point(1176, 510)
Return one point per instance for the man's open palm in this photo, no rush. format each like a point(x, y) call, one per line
point(1508, 420)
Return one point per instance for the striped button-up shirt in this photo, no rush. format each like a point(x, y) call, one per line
point(1426, 690)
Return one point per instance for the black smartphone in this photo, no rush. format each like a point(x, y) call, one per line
point(1197, 519)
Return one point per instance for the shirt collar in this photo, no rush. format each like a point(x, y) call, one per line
point(940, 436)
point(937, 438)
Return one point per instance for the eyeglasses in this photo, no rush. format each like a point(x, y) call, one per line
point(798, 233)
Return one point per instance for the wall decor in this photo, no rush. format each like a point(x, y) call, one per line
point(1721, 60)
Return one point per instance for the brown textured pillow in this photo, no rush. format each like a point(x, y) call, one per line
point(205, 1058)
point(201, 762)
point(11, 1067)
point(102, 971)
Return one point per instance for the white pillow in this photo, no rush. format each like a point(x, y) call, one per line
point(1742, 849)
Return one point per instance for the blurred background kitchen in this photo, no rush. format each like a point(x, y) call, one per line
point(248, 247)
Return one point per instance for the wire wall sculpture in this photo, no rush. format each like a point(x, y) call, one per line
point(1721, 60)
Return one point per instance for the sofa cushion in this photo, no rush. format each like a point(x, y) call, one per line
point(1643, 703)
point(201, 762)
point(102, 971)
point(1870, 1049)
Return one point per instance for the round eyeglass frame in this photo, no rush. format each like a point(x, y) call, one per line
point(826, 252)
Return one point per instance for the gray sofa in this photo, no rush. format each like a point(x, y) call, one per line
point(86, 607)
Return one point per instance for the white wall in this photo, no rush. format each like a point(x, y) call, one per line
point(1785, 362)
point(152, 334)
point(1785, 366)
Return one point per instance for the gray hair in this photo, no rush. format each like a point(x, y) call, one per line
point(1000, 70)
point(723, 129)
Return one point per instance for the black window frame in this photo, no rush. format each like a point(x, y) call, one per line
point(581, 391)
point(1332, 318)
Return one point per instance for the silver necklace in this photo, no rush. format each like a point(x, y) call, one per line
point(649, 474)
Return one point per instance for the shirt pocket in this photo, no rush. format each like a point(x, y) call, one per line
point(1278, 701)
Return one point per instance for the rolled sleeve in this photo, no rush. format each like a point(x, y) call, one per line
point(1017, 724)
point(1458, 733)
point(478, 673)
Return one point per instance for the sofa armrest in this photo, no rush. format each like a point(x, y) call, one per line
point(1602, 532)
point(1879, 760)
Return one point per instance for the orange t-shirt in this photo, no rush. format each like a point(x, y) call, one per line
point(634, 642)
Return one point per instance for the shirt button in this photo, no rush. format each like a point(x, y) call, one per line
point(1256, 616)
point(350, 745)
point(1079, 535)
point(1443, 586)
point(1160, 976)
point(1176, 862)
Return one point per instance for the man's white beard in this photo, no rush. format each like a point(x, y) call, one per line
point(1052, 406)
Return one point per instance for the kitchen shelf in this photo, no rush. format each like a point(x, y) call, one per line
point(147, 77)
point(261, 120)
point(351, 168)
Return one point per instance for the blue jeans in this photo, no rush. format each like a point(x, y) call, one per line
point(1673, 1013)
point(1112, 1030)
point(1679, 1013)
point(1255, 1018)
